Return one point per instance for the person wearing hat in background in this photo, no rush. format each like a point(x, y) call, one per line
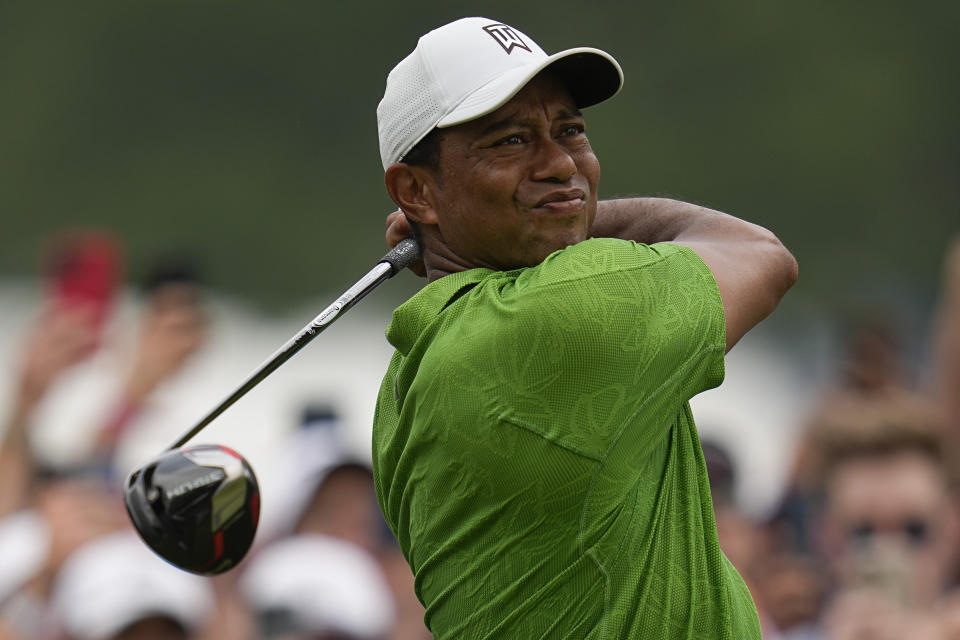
point(534, 450)
point(318, 587)
point(326, 492)
point(113, 588)
point(173, 328)
point(51, 506)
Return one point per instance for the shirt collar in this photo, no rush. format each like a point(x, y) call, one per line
point(416, 314)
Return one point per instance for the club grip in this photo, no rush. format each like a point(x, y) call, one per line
point(401, 255)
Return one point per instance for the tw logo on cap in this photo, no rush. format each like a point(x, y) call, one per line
point(506, 37)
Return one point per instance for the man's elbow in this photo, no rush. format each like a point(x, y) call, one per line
point(783, 270)
point(765, 270)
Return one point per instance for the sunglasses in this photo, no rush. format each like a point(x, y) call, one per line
point(918, 532)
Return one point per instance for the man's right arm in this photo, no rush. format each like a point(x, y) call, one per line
point(60, 339)
point(752, 268)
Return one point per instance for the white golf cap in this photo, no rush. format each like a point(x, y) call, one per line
point(115, 581)
point(315, 584)
point(471, 67)
point(25, 540)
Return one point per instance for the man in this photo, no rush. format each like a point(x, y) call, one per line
point(534, 451)
point(889, 527)
point(137, 596)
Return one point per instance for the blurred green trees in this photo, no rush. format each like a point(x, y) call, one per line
point(246, 131)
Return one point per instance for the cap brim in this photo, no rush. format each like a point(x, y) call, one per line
point(591, 76)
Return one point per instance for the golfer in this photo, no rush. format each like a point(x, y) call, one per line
point(533, 448)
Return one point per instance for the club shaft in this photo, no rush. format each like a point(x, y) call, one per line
point(393, 262)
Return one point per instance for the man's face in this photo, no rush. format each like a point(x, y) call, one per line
point(518, 183)
point(891, 523)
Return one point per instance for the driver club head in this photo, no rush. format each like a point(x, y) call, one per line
point(197, 507)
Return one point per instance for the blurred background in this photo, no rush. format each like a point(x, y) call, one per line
point(219, 161)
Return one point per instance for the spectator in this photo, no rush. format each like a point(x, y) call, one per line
point(323, 488)
point(173, 327)
point(318, 587)
point(873, 381)
point(65, 514)
point(791, 586)
point(344, 505)
point(784, 586)
point(114, 588)
point(43, 518)
point(873, 389)
point(48, 511)
point(114, 399)
point(739, 538)
point(60, 339)
point(889, 530)
point(332, 494)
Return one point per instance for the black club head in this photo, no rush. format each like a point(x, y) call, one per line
point(196, 507)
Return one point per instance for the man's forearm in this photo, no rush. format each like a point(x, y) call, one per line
point(16, 465)
point(651, 220)
point(751, 266)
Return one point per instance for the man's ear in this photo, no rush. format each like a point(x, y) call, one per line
point(412, 190)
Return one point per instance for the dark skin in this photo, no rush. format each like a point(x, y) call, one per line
point(514, 186)
point(520, 183)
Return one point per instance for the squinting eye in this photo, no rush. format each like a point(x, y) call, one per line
point(514, 139)
point(573, 130)
point(917, 531)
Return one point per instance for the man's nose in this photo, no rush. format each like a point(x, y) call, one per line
point(553, 162)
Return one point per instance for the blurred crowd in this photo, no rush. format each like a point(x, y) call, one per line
point(863, 544)
point(71, 565)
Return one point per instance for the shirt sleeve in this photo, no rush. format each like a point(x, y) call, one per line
point(602, 332)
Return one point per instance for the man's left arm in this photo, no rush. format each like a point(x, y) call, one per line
point(752, 268)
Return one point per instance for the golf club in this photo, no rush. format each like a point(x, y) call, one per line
point(198, 507)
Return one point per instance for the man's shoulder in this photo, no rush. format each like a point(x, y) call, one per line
point(594, 259)
point(603, 271)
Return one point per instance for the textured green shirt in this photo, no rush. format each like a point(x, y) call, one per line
point(535, 454)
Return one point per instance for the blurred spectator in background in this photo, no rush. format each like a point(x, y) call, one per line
point(873, 386)
point(344, 505)
point(330, 493)
point(873, 380)
point(889, 529)
point(333, 493)
point(73, 409)
point(114, 588)
point(792, 587)
point(871, 495)
point(739, 538)
point(82, 270)
point(318, 587)
point(865, 545)
point(173, 327)
point(60, 339)
point(48, 511)
point(63, 515)
point(786, 590)
point(43, 518)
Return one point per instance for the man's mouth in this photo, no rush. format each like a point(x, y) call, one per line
point(566, 201)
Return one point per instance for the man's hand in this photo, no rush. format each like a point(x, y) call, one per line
point(76, 512)
point(60, 339)
point(174, 327)
point(398, 228)
point(861, 614)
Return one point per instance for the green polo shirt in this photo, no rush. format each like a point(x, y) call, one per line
point(535, 454)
